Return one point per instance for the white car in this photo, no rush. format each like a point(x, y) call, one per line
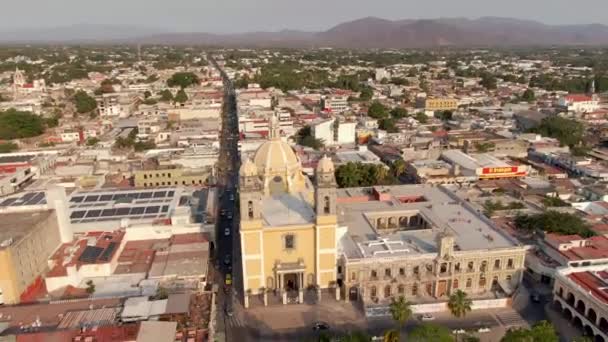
point(427, 317)
point(483, 330)
point(227, 231)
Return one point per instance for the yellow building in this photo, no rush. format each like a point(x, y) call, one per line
point(443, 103)
point(288, 225)
point(171, 175)
point(27, 240)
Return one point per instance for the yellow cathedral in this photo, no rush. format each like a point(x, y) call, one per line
point(288, 224)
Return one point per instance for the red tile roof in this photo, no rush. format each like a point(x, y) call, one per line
point(578, 98)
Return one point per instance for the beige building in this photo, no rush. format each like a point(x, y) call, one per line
point(288, 225)
point(27, 239)
point(437, 104)
point(579, 293)
point(423, 243)
point(171, 175)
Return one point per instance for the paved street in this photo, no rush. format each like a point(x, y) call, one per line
point(294, 322)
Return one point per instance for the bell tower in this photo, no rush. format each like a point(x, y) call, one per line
point(250, 192)
point(325, 190)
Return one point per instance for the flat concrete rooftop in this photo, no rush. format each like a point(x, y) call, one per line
point(358, 209)
point(17, 225)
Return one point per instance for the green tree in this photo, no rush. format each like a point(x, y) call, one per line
point(401, 311)
point(422, 118)
point(528, 95)
point(388, 125)
point(554, 201)
point(83, 102)
point(181, 96)
point(488, 81)
point(554, 222)
point(459, 303)
point(377, 110)
point(90, 287)
point(366, 94)
point(392, 335)
point(92, 141)
point(444, 115)
point(430, 332)
point(398, 167)
point(242, 82)
point(183, 80)
point(7, 147)
point(398, 113)
point(304, 137)
point(16, 124)
point(147, 94)
point(542, 331)
point(569, 132)
point(166, 96)
point(144, 145)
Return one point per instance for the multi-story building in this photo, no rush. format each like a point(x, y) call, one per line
point(431, 104)
point(334, 131)
point(579, 293)
point(27, 239)
point(579, 103)
point(423, 243)
point(113, 105)
point(168, 175)
point(335, 103)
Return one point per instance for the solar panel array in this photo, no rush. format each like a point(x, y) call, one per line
point(118, 204)
point(86, 198)
point(90, 215)
point(28, 198)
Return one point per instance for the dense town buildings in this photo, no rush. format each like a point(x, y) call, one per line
point(387, 174)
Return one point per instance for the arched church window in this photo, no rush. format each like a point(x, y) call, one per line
point(326, 208)
point(250, 209)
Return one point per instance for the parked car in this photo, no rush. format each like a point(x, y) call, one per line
point(228, 279)
point(427, 317)
point(227, 260)
point(319, 326)
point(227, 231)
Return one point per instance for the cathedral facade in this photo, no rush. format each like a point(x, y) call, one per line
point(288, 224)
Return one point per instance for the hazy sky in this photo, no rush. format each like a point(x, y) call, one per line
point(249, 15)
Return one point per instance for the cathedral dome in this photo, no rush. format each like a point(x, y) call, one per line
point(275, 156)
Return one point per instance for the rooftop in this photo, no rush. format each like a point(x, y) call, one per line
point(287, 209)
point(116, 204)
point(438, 212)
point(14, 226)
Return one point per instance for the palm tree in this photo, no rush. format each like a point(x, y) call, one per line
point(459, 303)
point(391, 336)
point(401, 311)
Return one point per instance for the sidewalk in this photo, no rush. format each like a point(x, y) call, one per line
point(566, 331)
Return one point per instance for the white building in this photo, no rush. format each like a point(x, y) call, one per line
point(579, 103)
point(381, 74)
point(334, 132)
point(335, 103)
point(70, 136)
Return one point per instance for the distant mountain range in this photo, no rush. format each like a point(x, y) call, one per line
point(367, 32)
